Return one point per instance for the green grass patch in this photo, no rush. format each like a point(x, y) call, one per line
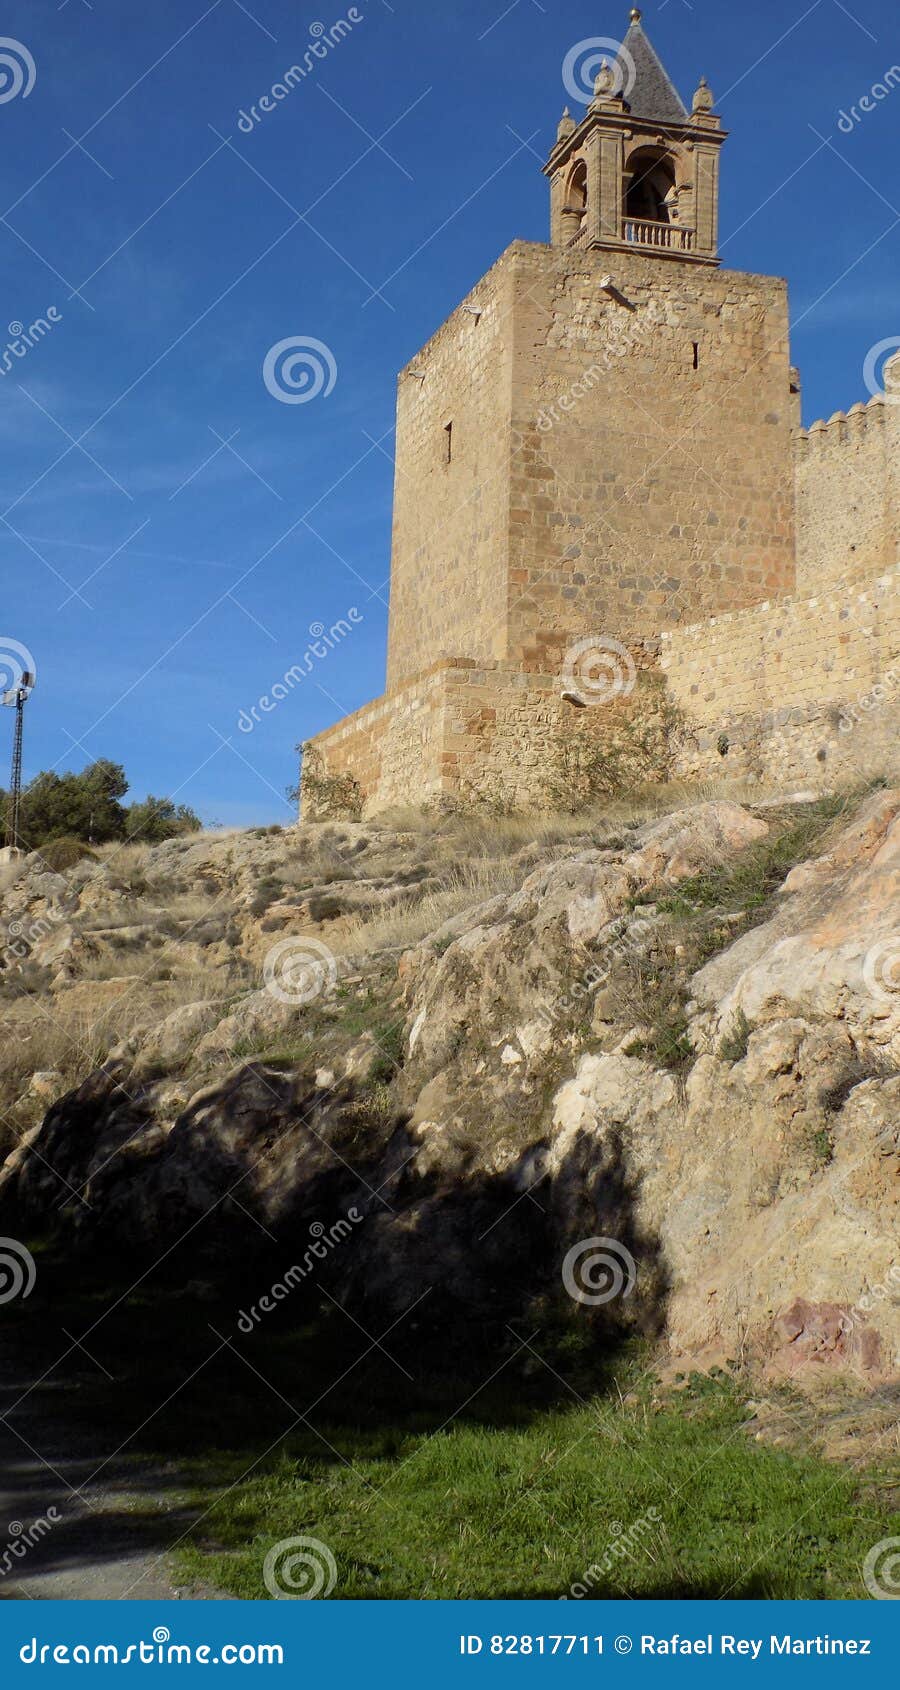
point(479, 1511)
point(452, 1466)
point(668, 1042)
point(703, 916)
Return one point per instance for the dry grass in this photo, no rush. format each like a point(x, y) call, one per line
point(480, 855)
point(483, 831)
point(415, 916)
point(840, 1415)
point(463, 861)
point(74, 1038)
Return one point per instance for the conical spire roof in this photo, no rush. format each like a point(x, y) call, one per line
point(652, 94)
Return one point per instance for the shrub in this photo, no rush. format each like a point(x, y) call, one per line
point(63, 853)
point(89, 806)
point(324, 796)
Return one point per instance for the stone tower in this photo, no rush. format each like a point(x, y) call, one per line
point(601, 450)
point(599, 437)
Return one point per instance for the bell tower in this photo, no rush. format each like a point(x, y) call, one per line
point(593, 450)
point(619, 407)
point(639, 171)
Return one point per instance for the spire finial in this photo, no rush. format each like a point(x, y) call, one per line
point(703, 99)
point(636, 14)
point(605, 82)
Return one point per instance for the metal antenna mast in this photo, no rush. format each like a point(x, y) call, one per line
point(16, 699)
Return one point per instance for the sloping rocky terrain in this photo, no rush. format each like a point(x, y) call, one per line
point(647, 1064)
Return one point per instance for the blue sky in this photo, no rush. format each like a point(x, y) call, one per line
point(165, 570)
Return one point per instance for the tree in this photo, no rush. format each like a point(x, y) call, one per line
point(88, 807)
point(156, 819)
point(84, 806)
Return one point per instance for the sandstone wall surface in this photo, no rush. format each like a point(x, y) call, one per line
point(848, 497)
point(652, 482)
point(451, 492)
point(491, 733)
point(805, 689)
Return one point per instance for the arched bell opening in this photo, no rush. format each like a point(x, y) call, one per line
point(574, 214)
point(651, 192)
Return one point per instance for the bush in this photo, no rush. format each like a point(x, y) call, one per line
point(63, 853)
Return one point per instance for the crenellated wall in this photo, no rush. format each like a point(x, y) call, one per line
point(848, 497)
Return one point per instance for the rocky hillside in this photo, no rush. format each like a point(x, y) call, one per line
point(645, 1066)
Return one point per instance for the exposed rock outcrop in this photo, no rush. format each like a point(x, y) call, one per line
point(744, 1158)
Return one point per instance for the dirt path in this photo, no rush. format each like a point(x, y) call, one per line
point(76, 1519)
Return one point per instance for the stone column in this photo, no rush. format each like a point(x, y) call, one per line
point(594, 186)
point(706, 197)
point(612, 197)
point(557, 203)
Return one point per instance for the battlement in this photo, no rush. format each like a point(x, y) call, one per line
point(843, 426)
point(847, 484)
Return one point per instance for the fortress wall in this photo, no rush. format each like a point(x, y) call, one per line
point(391, 749)
point(808, 689)
point(803, 690)
point(847, 485)
point(652, 479)
point(513, 741)
point(450, 526)
point(487, 733)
